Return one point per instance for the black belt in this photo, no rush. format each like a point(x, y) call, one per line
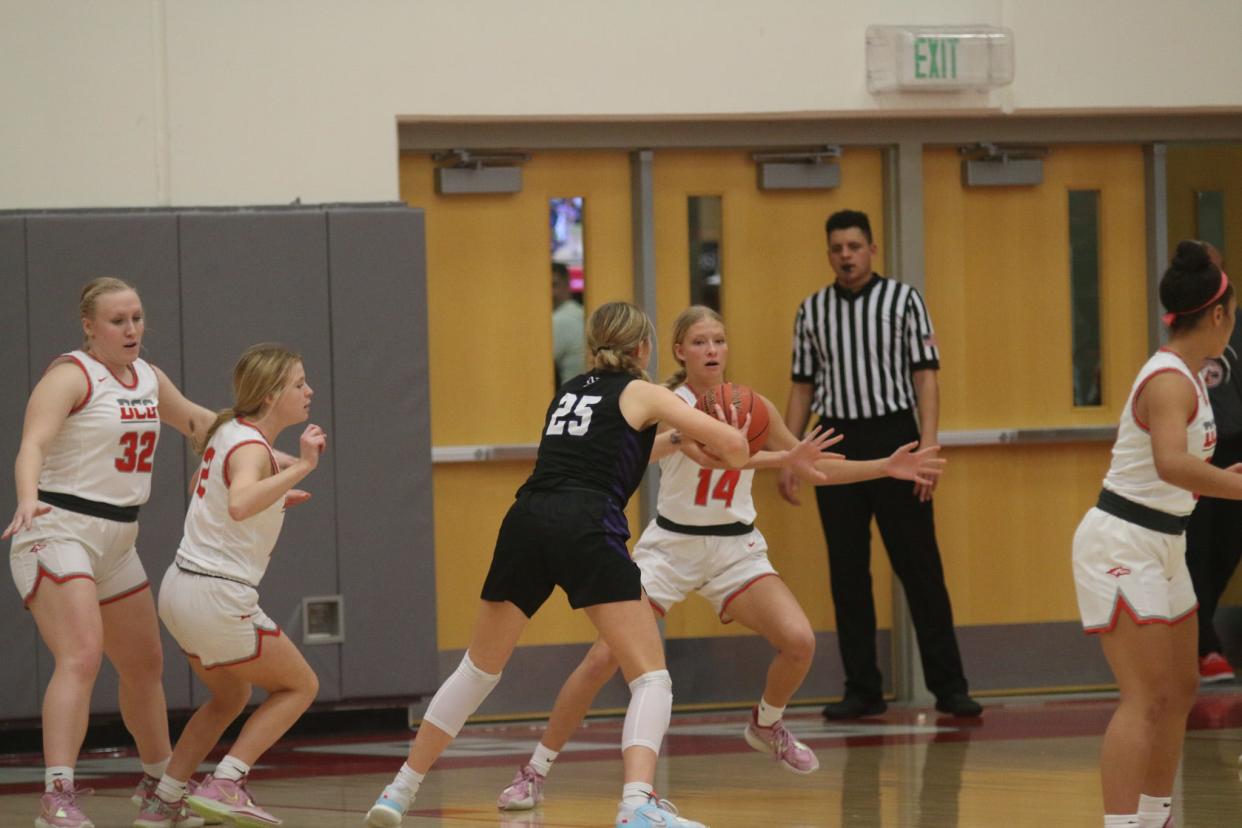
point(93, 508)
point(1141, 515)
point(726, 530)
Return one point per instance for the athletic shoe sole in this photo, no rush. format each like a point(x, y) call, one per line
point(381, 817)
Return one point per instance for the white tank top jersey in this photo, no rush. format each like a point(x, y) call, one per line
point(105, 450)
point(1132, 473)
point(695, 496)
point(213, 543)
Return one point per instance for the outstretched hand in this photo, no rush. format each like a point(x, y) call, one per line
point(801, 459)
point(923, 466)
point(24, 517)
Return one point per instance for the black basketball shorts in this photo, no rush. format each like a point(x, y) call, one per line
point(571, 538)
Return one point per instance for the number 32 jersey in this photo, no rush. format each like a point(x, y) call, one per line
point(586, 441)
point(105, 450)
point(696, 496)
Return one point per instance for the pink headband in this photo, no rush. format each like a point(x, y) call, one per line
point(1220, 291)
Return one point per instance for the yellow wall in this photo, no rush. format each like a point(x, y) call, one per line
point(1205, 167)
point(998, 291)
point(490, 339)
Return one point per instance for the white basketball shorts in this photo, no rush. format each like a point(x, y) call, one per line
point(214, 620)
point(674, 564)
point(1119, 566)
point(63, 545)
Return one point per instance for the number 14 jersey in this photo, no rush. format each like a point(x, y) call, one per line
point(696, 496)
point(105, 450)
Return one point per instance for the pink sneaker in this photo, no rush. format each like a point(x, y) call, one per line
point(524, 792)
point(230, 801)
point(146, 787)
point(1214, 667)
point(156, 813)
point(60, 808)
point(778, 741)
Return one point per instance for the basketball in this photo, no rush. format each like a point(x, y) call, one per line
point(739, 400)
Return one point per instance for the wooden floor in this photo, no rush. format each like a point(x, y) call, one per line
point(1028, 763)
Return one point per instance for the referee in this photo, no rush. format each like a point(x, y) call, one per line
point(864, 360)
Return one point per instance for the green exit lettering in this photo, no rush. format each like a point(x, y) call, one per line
point(935, 58)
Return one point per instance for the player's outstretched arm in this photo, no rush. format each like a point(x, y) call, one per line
point(908, 462)
point(643, 403)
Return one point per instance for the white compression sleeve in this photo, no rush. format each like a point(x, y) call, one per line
point(651, 707)
point(459, 696)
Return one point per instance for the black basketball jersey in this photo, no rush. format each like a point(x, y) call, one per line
point(586, 442)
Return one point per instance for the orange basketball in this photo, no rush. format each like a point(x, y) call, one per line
point(738, 400)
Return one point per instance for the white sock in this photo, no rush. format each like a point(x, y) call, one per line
point(1154, 811)
point(157, 770)
point(651, 707)
point(231, 768)
point(51, 774)
point(171, 790)
point(407, 782)
point(541, 760)
point(1120, 820)
point(634, 795)
point(769, 714)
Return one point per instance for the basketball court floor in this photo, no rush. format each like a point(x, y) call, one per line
point(1030, 762)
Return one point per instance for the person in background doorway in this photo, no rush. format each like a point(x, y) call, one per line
point(568, 328)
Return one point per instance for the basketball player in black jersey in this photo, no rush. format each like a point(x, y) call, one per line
point(567, 528)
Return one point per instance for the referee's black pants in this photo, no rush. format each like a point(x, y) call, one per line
point(908, 529)
point(1213, 546)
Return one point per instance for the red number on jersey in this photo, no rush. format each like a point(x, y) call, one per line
point(208, 456)
point(724, 486)
point(138, 447)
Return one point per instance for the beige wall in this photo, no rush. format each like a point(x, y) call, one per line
point(152, 102)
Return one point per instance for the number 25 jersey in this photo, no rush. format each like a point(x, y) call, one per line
point(105, 450)
point(586, 441)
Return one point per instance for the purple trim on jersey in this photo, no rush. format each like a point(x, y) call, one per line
point(627, 466)
point(618, 546)
point(615, 522)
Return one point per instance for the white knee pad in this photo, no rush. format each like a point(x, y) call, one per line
point(651, 707)
point(459, 696)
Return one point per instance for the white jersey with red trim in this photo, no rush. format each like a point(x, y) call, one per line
point(213, 543)
point(696, 496)
point(105, 450)
point(1133, 471)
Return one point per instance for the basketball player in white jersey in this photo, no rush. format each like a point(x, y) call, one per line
point(83, 470)
point(704, 540)
point(209, 598)
point(1134, 590)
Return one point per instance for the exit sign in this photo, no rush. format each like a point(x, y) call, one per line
point(938, 58)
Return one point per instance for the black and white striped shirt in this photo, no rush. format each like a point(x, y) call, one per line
point(860, 349)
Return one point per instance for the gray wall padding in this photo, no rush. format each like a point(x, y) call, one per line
point(20, 696)
point(384, 525)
